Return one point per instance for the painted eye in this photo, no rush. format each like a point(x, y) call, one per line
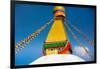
point(59, 49)
point(51, 49)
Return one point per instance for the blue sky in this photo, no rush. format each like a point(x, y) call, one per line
point(29, 18)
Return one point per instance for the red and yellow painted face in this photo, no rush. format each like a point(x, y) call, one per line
point(59, 11)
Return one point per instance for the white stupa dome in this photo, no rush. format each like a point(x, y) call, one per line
point(59, 58)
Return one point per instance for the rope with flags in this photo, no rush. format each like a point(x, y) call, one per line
point(76, 38)
point(23, 43)
point(91, 42)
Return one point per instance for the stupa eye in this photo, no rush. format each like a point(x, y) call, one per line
point(51, 49)
point(58, 49)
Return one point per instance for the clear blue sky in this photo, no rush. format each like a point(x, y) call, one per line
point(29, 18)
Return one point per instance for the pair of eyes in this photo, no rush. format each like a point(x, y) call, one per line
point(56, 48)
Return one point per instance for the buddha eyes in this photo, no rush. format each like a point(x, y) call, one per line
point(51, 49)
